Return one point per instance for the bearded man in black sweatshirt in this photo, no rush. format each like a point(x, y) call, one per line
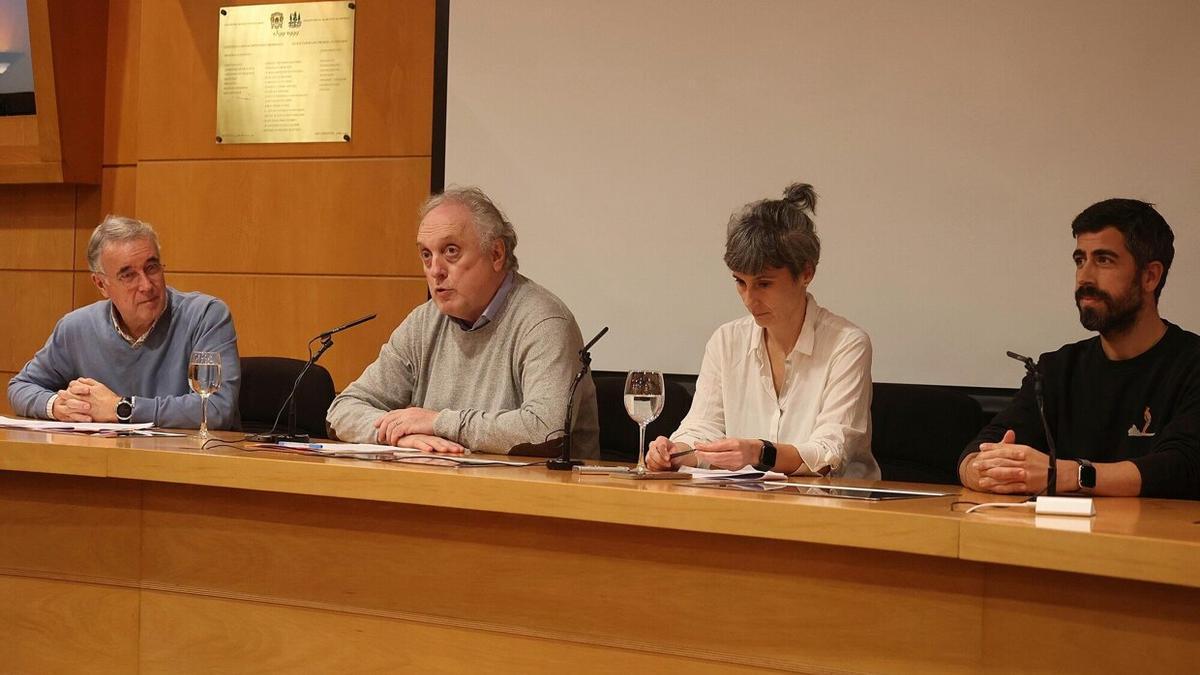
point(1123, 408)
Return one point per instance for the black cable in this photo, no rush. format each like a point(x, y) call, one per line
point(292, 393)
point(219, 443)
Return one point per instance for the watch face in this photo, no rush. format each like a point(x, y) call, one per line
point(766, 461)
point(1087, 476)
point(124, 410)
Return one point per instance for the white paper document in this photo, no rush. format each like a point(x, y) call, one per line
point(745, 474)
point(55, 425)
point(340, 449)
point(373, 451)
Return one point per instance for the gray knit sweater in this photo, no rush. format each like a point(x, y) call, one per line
point(502, 384)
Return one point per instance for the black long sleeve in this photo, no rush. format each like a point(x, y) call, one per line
point(1145, 410)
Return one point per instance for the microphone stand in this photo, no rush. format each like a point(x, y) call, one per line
point(1052, 470)
point(289, 403)
point(291, 435)
point(564, 462)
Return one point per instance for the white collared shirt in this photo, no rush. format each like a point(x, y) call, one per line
point(133, 342)
point(824, 407)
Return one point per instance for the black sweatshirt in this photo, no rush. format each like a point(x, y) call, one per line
point(1145, 409)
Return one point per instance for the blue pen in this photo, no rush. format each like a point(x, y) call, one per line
point(300, 446)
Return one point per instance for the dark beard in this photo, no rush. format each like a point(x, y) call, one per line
point(1116, 317)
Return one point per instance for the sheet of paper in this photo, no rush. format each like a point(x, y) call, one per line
point(337, 449)
point(55, 425)
point(744, 474)
point(490, 462)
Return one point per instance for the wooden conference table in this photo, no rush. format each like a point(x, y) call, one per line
point(150, 555)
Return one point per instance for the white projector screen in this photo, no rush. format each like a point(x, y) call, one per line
point(951, 144)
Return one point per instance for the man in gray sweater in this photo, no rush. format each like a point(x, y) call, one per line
point(487, 363)
point(125, 359)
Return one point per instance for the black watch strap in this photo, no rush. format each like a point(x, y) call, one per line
point(766, 459)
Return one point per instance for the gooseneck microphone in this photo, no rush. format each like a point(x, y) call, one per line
point(1035, 371)
point(564, 462)
point(343, 327)
point(289, 403)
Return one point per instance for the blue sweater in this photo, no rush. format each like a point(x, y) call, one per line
point(85, 344)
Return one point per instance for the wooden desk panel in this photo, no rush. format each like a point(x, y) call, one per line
point(53, 453)
point(1055, 622)
point(904, 527)
point(300, 564)
point(515, 574)
point(70, 527)
point(64, 627)
point(190, 634)
point(1154, 540)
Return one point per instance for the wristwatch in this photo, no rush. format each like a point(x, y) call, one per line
point(766, 459)
point(125, 409)
point(1087, 475)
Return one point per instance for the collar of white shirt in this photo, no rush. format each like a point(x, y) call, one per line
point(808, 333)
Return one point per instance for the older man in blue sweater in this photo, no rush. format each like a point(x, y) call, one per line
point(125, 359)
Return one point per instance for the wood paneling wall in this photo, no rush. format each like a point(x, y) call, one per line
point(38, 225)
point(296, 238)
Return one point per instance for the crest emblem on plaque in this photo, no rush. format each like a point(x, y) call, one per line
point(294, 20)
point(277, 20)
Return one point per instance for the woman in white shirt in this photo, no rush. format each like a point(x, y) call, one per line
point(787, 388)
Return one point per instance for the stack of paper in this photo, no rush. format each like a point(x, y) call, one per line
point(746, 474)
point(55, 425)
point(389, 452)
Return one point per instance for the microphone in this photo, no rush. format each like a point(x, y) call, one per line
point(291, 436)
point(564, 462)
point(1029, 365)
point(343, 327)
point(1035, 371)
point(588, 347)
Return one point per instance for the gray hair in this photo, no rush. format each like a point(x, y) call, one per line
point(490, 222)
point(773, 233)
point(117, 228)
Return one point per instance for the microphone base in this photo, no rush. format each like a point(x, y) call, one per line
point(561, 464)
point(279, 438)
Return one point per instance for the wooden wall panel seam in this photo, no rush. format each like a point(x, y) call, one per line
point(75, 243)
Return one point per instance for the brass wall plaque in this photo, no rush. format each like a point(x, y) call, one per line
point(285, 73)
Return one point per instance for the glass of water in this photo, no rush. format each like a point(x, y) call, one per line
point(644, 394)
point(204, 377)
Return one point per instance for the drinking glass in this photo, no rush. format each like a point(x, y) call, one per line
point(644, 396)
point(204, 377)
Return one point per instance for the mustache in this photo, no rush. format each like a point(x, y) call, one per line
point(1091, 292)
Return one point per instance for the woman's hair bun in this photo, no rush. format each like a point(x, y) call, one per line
point(801, 195)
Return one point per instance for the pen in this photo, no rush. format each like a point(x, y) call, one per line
point(300, 446)
point(681, 453)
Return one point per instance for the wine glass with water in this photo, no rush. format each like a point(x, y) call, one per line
point(644, 397)
point(204, 377)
